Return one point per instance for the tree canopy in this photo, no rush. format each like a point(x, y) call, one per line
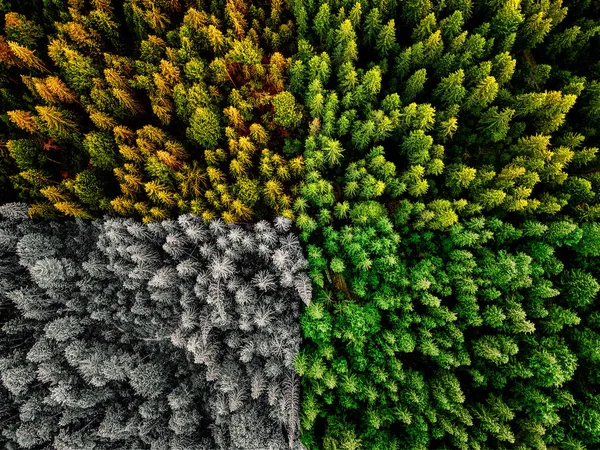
point(423, 174)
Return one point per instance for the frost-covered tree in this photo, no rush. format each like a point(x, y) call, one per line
point(174, 334)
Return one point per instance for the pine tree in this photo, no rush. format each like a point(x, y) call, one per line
point(97, 355)
point(56, 121)
point(26, 56)
point(386, 38)
point(102, 150)
point(286, 111)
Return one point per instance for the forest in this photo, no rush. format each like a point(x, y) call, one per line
point(300, 224)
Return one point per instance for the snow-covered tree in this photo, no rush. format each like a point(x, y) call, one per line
point(169, 335)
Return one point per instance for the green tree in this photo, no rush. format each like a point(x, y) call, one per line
point(26, 154)
point(102, 150)
point(204, 130)
point(287, 113)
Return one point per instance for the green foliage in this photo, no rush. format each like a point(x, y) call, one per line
point(452, 242)
point(102, 150)
point(204, 129)
point(26, 154)
point(286, 111)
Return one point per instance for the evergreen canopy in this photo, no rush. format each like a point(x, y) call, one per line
point(117, 334)
point(437, 160)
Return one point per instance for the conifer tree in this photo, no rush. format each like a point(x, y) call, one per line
point(459, 179)
point(184, 69)
point(198, 350)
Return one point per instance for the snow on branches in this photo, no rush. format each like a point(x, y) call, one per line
point(187, 329)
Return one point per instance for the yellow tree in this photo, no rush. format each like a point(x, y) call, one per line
point(23, 119)
point(27, 56)
point(56, 120)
